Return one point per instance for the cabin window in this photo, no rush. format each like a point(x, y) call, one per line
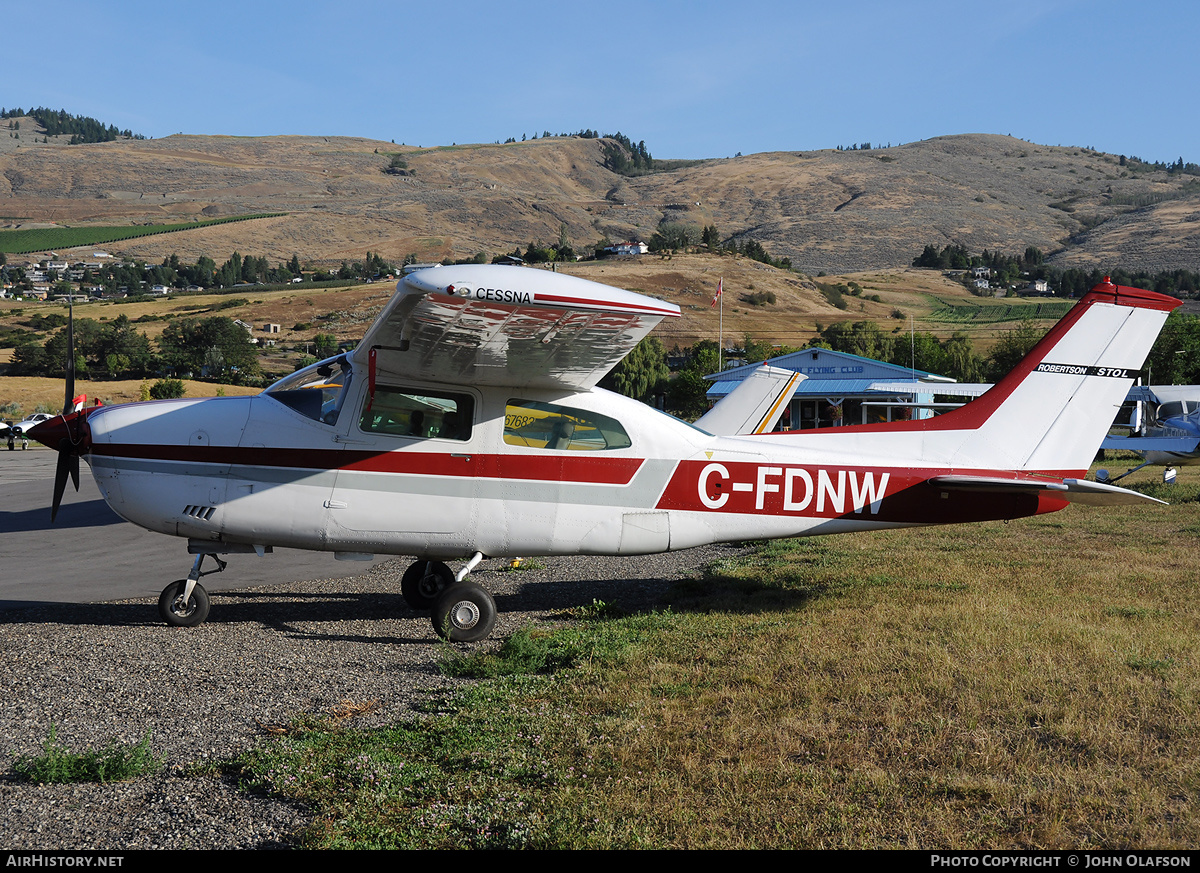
point(561, 428)
point(316, 391)
point(417, 413)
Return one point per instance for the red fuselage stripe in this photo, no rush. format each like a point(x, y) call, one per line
point(562, 467)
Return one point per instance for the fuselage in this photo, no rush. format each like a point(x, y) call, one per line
point(348, 456)
point(357, 473)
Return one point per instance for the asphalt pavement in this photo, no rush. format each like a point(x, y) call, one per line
point(89, 554)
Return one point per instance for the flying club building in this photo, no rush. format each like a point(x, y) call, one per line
point(844, 389)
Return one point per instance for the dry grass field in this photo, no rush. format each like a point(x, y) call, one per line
point(1024, 685)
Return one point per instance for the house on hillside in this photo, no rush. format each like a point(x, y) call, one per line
point(627, 248)
point(1036, 288)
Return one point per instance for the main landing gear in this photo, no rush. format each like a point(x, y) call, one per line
point(461, 611)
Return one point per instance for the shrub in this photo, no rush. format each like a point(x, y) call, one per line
point(165, 389)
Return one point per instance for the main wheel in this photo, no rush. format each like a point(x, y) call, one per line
point(423, 582)
point(179, 614)
point(464, 613)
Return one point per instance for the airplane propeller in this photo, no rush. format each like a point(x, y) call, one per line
point(68, 433)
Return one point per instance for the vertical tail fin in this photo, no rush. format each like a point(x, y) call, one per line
point(1055, 407)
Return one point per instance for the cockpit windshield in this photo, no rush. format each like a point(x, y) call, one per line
point(316, 391)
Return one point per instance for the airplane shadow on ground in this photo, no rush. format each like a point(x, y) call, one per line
point(92, 513)
point(289, 611)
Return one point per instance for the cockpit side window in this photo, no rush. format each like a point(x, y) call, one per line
point(561, 428)
point(414, 412)
point(317, 391)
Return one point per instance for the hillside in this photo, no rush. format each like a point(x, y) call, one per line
point(908, 298)
point(831, 211)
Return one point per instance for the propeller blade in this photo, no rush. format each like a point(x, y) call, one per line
point(70, 386)
point(61, 471)
point(74, 471)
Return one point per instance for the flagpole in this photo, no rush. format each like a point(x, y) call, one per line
point(719, 297)
point(721, 330)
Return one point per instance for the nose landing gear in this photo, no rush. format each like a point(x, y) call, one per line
point(184, 603)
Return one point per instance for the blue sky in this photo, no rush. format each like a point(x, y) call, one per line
point(691, 79)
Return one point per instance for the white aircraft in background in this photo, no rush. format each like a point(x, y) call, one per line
point(467, 423)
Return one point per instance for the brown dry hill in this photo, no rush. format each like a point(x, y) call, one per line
point(832, 211)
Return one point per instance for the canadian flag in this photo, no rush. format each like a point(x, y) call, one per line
point(720, 291)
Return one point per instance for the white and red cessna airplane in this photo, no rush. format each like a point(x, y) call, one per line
point(467, 423)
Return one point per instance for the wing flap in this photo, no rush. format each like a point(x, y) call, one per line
point(1081, 491)
point(493, 325)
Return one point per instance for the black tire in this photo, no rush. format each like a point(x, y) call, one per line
point(464, 613)
point(178, 614)
point(423, 582)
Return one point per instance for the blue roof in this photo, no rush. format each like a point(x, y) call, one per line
point(822, 388)
point(855, 367)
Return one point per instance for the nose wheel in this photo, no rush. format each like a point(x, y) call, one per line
point(184, 603)
point(179, 610)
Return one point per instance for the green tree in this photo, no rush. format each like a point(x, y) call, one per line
point(1175, 357)
point(326, 345)
point(642, 373)
point(165, 389)
point(962, 362)
point(1010, 349)
point(756, 351)
point(185, 345)
point(674, 236)
point(863, 338)
point(687, 392)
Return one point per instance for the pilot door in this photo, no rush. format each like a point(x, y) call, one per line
point(406, 482)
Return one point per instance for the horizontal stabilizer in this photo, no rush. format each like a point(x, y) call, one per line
point(755, 405)
point(1072, 490)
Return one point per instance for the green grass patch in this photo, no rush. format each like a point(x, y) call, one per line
point(115, 763)
point(19, 242)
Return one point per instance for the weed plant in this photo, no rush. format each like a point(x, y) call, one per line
point(115, 763)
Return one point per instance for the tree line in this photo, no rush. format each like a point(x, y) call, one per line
point(83, 128)
point(131, 276)
point(215, 348)
point(1071, 282)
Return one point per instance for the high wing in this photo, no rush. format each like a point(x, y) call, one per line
point(1181, 446)
point(754, 405)
point(1071, 490)
point(511, 326)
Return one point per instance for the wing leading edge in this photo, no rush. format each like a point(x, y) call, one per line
point(511, 326)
